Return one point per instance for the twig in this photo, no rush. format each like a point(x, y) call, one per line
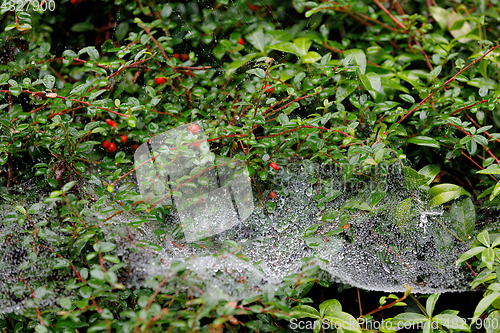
point(444, 84)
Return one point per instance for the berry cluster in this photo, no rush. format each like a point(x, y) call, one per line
point(110, 146)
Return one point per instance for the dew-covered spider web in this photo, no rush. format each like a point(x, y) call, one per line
point(374, 234)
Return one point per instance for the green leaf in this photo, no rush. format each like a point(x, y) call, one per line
point(430, 171)
point(285, 47)
point(305, 311)
point(484, 304)
point(121, 30)
point(91, 51)
point(259, 40)
point(68, 186)
point(491, 170)
point(463, 218)
point(496, 191)
point(345, 88)
point(99, 326)
point(440, 15)
point(471, 146)
point(424, 141)
point(80, 167)
point(330, 307)
point(469, 254)
point(15, 91)
point(443, 193)
point(303, 45)
point(82, 26)
point(431, 302)
point(409, 318)
point(132, 121)
point(49, 81)
point(484, 238)
point(345, 321)
point(407, 98)
point(359, 58)
point(452, 322)
point(488, 258)
point(310, 57)
point(371, 83)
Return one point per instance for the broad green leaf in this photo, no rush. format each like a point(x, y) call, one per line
point(330, 307)
point(469, 254)
point(68, 186)
point(491, 324)
point(493, 169)
point(285, 47)
point(49, 81)
point(259, 40)
point(440, 15)
point(345, 321)
point(82, 26)
point(121, 30)
point(463, 218)
point(479, 82)
point(424, 141)
point(310, 57)
point(345, 88)
point(132, 121)
point(303, 45)
point(484, 276)
point(431, 302)
point(484, 238)
point(471, 146)
point(359, 58)
point(371, 83)
point(413, 179)
point(451, 321)
point(443, 193)
point(495, 191)
point(409, 318)
point(488, 257)
point(305, 311)
point(393, 84)
point(430, 171)
point(484, 304)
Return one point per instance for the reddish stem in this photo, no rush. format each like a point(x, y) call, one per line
point(444, 84)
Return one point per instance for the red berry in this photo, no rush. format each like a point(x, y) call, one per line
point(160, 80)
point(268, 89)
point(135, 146)
point(272, 195)
point(184, 57)
point(177, 55)
point(124, 138)
point(196, 145)
point(75, 2)
point(111, 148)
point(194, 128)
point(254, 8)
point(274, 166)
point(201, 199)
point(109, 122)
point(241, 41)
point(105, 144)
point(114, 124)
